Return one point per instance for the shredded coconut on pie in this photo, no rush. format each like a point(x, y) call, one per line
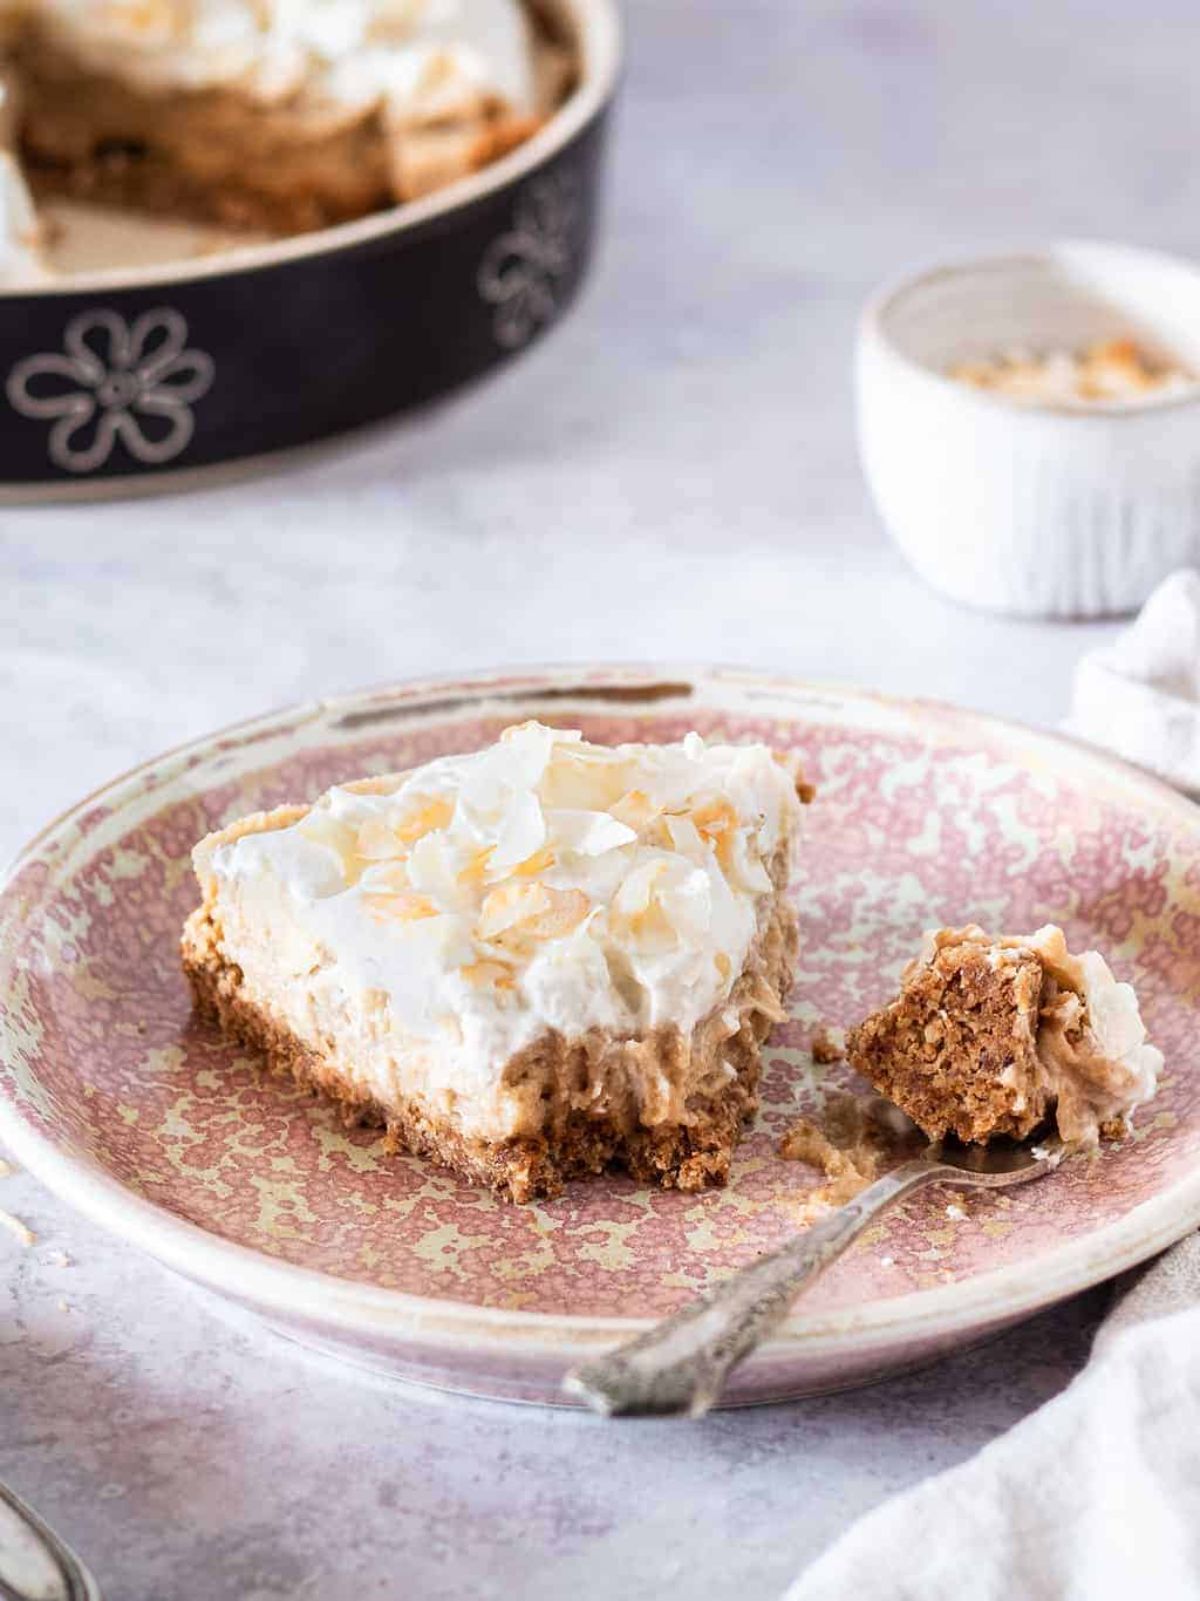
point(547, 941)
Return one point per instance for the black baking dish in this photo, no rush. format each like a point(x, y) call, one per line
point(121, 380)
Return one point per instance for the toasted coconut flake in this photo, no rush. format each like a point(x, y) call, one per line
point(509, 904)
point(488, 975)
point(383, 837)
point(405, 906)
point(475, 872)
point(714, 818)
point(684, 837)
point(741, 864)
point(717, 822)
point(568, 909)
point(635, 809)
point(540, 862)
point(386, 877)
point(531, 910)
point(638, 910)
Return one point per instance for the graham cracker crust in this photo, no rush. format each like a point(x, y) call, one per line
point(958, 1049)
point(685, 1155)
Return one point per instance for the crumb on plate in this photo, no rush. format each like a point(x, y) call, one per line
point(828, 1044)
point(848, 1150)
point(22, 1231)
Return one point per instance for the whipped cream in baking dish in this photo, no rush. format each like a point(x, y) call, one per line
point(466, 908)
point(21, 258)
point(353, 51)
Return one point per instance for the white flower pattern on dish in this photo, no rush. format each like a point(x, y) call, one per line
point(523, 272)
point(110, 381)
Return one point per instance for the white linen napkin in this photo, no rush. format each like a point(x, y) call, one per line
point(1095, 1495)
point(1140, 695)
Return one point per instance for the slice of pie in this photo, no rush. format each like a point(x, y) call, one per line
point(537, 961)
point(274, 115)
point(999, 1035)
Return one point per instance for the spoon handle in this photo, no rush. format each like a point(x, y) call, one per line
point(679, 1367)
point(35, 1565)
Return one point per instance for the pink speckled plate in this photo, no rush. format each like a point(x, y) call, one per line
point(120, 1102)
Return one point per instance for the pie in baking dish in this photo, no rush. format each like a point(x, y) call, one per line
point(272, 115)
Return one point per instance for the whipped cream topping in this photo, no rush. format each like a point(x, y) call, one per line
point(543, 883)
point(21, 258)
point(1091, 1041)
point(430, 55)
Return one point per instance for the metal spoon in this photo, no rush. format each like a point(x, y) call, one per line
point(678, 1368)
point(35, 1565)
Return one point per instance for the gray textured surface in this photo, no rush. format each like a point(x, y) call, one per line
point(672, 473)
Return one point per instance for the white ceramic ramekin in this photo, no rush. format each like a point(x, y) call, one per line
point(1041, 511)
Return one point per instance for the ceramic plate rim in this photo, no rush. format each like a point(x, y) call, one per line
point(282, 1288)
